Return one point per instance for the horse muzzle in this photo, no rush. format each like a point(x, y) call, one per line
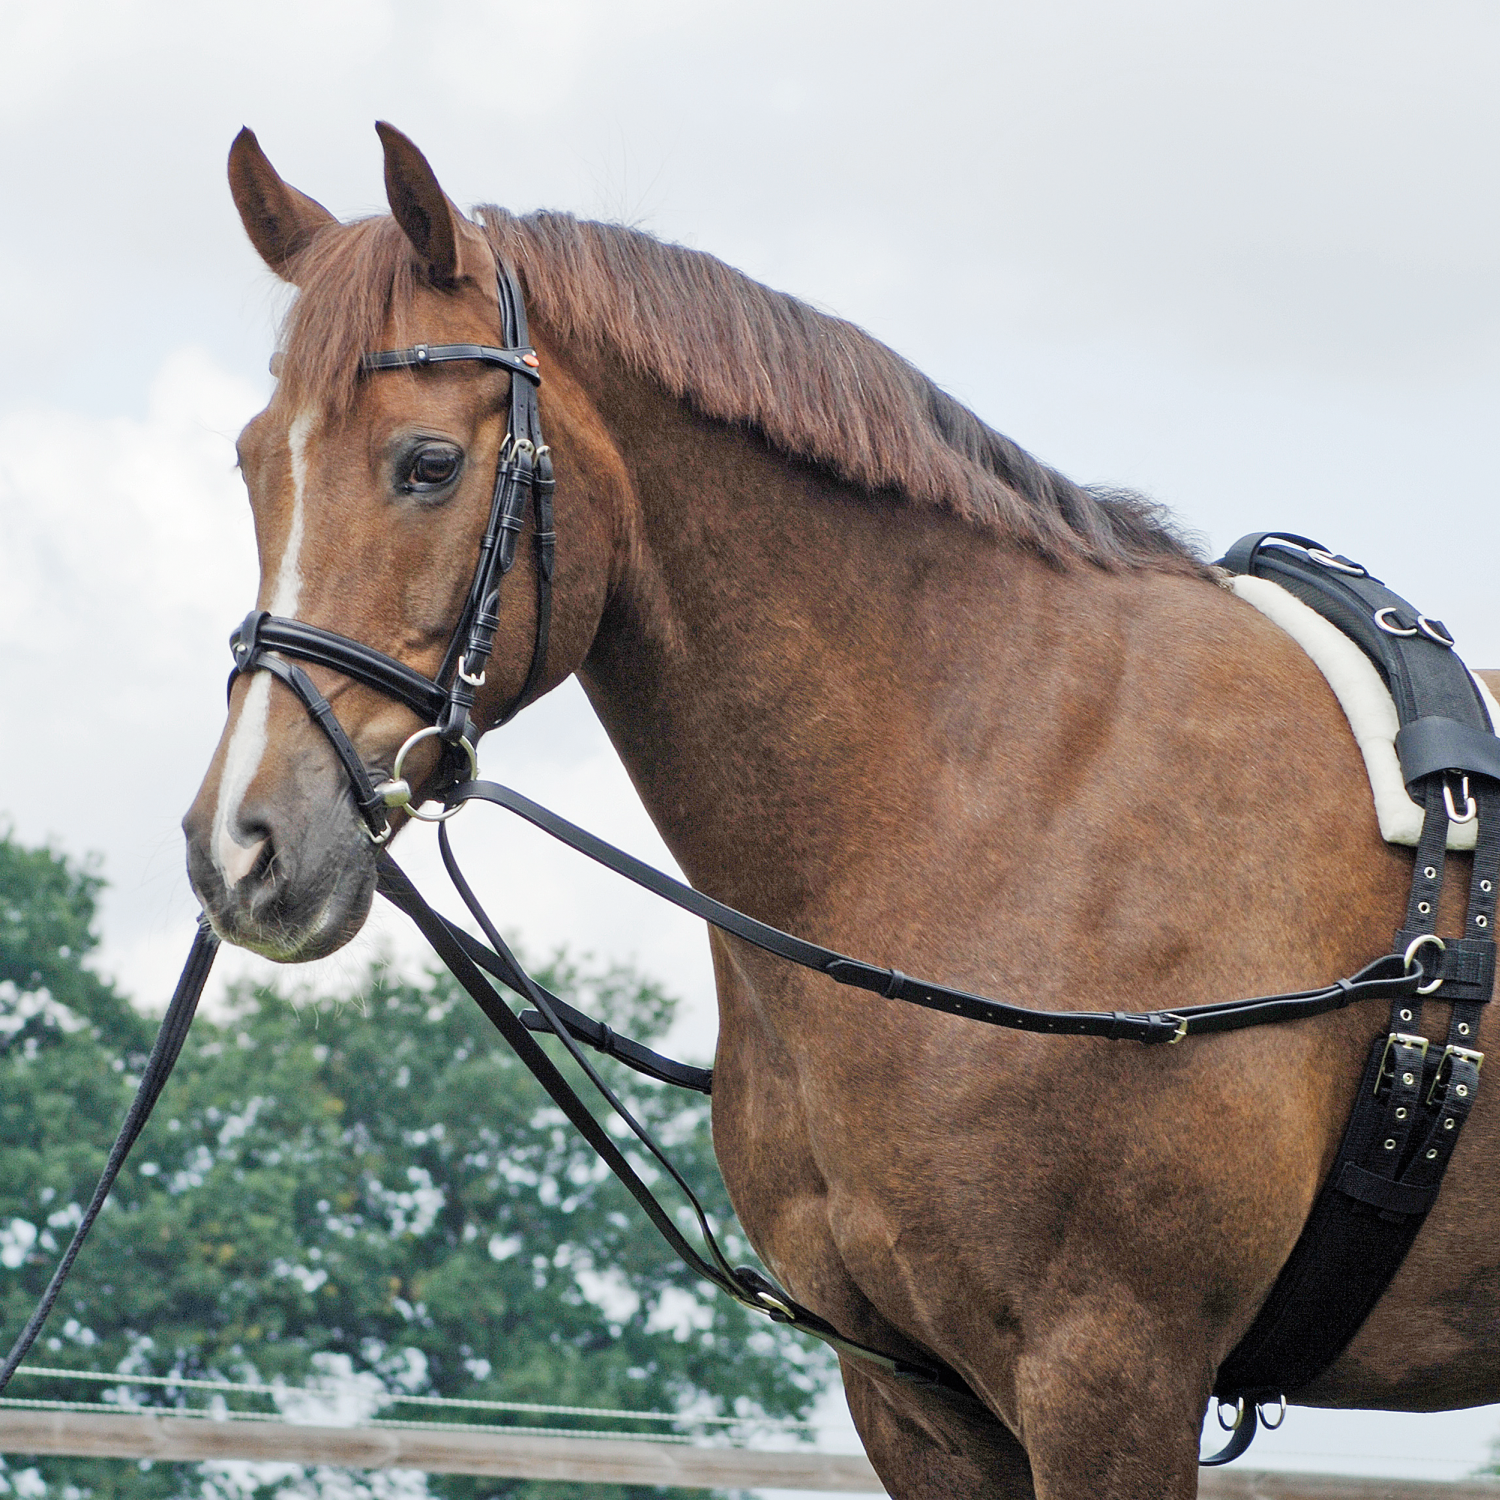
point(284, 867)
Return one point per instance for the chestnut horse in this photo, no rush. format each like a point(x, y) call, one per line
point(885, 681)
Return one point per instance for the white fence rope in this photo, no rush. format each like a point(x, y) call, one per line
point(386, 1398)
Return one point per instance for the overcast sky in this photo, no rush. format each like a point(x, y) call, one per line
point(1241, 257)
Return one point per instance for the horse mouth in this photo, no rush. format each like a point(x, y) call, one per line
point(290, 898)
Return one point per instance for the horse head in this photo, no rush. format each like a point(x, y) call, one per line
point(371, 494)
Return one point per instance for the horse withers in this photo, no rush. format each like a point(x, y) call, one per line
point(885, 681)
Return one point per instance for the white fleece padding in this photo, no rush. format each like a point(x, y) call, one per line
point(1366, 703)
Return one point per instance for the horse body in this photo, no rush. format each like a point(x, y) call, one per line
point(918, 736)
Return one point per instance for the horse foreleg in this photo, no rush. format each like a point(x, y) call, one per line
point(1108, 1403)
point(925, 1444)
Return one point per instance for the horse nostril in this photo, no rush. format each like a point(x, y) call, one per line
point(250, 853)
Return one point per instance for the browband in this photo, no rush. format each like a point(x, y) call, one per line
point(521, 361)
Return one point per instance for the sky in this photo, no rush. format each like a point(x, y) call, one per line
point(1242, 258)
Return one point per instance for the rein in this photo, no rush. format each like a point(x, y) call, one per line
point(1440, 745)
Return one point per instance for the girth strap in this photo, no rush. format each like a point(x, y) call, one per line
point(1413, 1098)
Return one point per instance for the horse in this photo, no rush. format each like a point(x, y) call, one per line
point(886, 681)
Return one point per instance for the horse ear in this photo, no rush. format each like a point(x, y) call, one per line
point(420, 206)
point(280, 221)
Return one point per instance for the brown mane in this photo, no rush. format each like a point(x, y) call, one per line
point(814, 386)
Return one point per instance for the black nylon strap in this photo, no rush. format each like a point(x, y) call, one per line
point(1412, 1100)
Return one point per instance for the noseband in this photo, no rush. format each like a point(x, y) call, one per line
point(445, 703)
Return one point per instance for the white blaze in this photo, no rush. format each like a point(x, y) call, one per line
point(248, 742)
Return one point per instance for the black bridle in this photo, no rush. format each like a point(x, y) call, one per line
point(523, 480)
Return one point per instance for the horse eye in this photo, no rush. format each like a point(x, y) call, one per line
point(433, 466)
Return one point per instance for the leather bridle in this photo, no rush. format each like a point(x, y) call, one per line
point(523, 479)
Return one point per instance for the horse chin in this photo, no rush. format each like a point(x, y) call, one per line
point(288, 941)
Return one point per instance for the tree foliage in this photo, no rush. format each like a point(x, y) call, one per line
point(364, 1195)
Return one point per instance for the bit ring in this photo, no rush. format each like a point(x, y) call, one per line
point(397, 791)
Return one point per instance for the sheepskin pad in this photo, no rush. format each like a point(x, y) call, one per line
point(1366, 704)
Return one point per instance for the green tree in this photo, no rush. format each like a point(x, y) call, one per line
point(365, 1195)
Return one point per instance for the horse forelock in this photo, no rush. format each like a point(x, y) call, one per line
point(816, 387)
point(353, 280)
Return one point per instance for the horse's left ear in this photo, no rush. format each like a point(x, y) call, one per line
point(421, 207)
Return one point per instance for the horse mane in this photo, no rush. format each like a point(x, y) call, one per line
point(815, 387)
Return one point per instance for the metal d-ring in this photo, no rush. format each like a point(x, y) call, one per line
point(1410, 957)
point(1339, 565)
point(1237, 1406)
point(1384, 624)
point(1471, 807)
point(1265, 1421)
point(397, 791)
point(1434, 630)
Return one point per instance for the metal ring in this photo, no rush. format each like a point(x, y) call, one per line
point(1385, 625)
point(1265, 1421)
point(412, 810)
point(1429, 628)
point(1471, 807)
point(1238, 1407)
point(1328, 560)
point(1413, 947)
point(765, 1302)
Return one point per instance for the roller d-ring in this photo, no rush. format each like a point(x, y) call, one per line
point(1471, 807)
point(397, 791)
point(1409, 958)
point(1265, 1421)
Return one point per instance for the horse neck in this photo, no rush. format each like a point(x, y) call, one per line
point(789, 667)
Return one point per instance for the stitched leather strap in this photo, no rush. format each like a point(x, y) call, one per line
point(164, 1053)
point(340, 654)
point(1386, 978)
point(514, 359)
